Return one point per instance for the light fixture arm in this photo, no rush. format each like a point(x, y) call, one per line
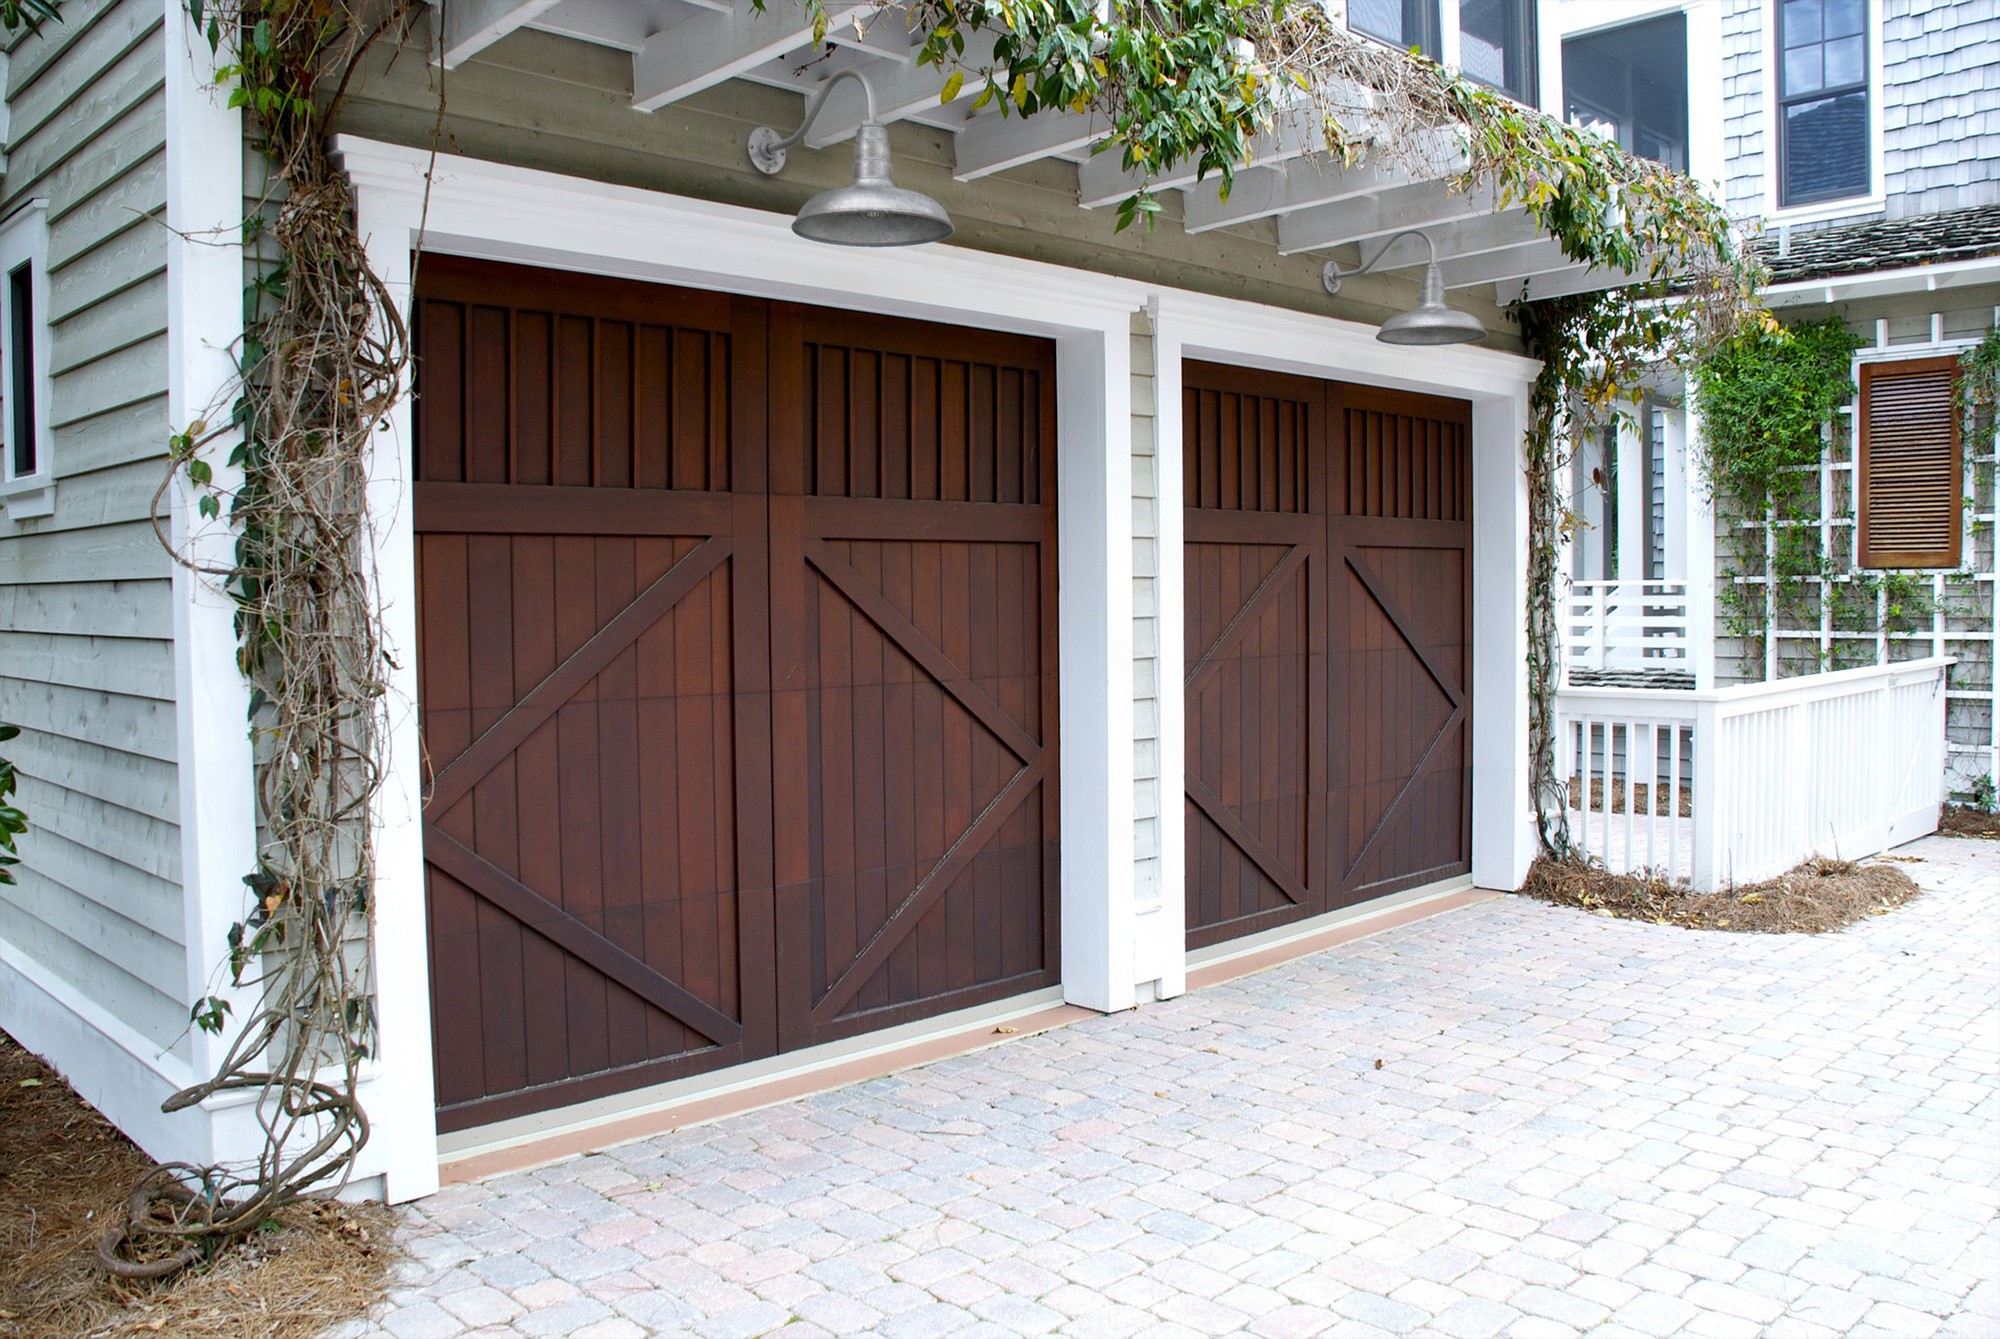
point(1331, 274)
point(767, 147)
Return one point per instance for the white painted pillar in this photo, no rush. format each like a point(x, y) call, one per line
point(1503, 841)
point(1681, 481)
point(1169, 934)
point(1094, 579)
point(1697, 541)
point(218, 822)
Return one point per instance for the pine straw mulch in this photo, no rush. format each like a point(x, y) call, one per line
point(1961, 821)
point(1818, 896)
point(63, 1168)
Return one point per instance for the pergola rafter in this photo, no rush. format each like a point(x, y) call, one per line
point(1318, 202)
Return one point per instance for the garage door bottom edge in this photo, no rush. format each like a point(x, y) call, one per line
point(522, 1142)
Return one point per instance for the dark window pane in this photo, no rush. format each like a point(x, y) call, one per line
point(21, 367)
point(1801, 22)
point(1400, 23)
point(1843, 63)
point(1843, 18)
point(1802, 70)
point(1630, 84)
point(1826, 149)
point(1496, 44)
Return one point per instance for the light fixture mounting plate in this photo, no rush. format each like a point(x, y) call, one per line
point(765, 155)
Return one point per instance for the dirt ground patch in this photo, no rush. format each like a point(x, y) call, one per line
point(1961, 821)
point(1818, 896)
point(63, 1167)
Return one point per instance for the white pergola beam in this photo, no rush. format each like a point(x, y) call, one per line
point(1104, 181)
point(994, 143)
point(883, 32)
point(464, 28)
point(1479, 235)
point(610, 23)
point(1264, 191)
point(1514, 262)
point(1419, 205)
point(1562, 283)
point(899, 91)
point(708, 48)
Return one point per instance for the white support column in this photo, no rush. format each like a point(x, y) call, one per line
point(1503, 842)
point(218, 820)
point(1170, 591)
point(1681, 482)
point(1094, 520)
point(400, 1094)
point(1697, 532)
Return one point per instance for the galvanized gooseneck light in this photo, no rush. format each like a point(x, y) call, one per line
point(1432, 322)
point(874, 211)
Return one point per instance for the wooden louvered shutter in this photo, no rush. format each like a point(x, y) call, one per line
point(1911, 485)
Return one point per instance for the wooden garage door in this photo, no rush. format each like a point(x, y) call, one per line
point(1328, 646)
point(736, 678)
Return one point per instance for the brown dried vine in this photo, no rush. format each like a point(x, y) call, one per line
point(321, 364)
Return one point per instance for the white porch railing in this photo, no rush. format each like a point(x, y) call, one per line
point(1740, 784)
point(1626, 626)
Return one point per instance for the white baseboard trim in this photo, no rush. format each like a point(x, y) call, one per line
point(109, 1064)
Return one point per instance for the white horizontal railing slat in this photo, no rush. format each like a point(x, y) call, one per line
point(1626, 626)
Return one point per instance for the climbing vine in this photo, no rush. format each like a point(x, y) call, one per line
point(320, 364)
point(1767, 397)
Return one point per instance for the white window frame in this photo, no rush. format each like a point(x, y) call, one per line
point(1876, 200)
point(24, 240)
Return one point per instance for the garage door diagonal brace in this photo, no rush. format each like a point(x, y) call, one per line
point(545, 918)
point(1262, 856)
point(508, 733)
point(1267, 590)
point(928, 890)
point(1399, 619)
point(908, 639)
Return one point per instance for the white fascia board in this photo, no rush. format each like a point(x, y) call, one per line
point(501, 212)
point(1885, 283)
point(1250, 335)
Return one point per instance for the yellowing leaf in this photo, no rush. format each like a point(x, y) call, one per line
point(952, 85)
point(1020, 89)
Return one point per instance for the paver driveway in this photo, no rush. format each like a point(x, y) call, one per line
point(1576, 1123)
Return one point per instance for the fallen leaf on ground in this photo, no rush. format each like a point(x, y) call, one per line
point(1004, 1031)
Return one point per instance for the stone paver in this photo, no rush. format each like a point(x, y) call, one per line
point(1510, 1119)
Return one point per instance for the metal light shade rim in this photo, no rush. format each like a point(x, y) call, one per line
point(872, 214)
point(1432, 322)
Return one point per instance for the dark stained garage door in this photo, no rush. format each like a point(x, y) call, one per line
point(737, 677)
point(1328, 646)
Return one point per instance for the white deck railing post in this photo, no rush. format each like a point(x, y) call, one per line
point(1706, 865)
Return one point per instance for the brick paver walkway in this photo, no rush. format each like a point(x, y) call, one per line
point(1510, 1119)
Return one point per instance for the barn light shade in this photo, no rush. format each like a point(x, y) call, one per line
point(874, 210)
point(1431, 322)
